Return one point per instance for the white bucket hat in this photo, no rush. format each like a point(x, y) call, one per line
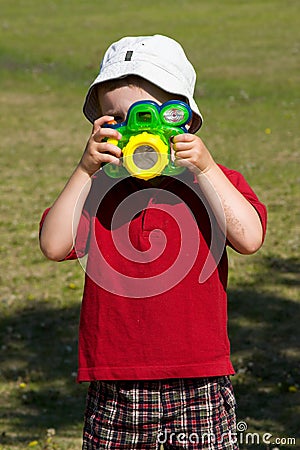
point(158, 59)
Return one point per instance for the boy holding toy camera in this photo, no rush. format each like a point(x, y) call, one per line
point(153, 328)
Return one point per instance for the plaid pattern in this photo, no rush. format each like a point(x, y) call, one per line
point(180, 414)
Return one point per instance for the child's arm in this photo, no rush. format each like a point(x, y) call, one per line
point(60, 225)
point(243, 226)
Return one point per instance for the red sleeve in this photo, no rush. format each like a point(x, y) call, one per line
point(81, 242)
point(241, 184)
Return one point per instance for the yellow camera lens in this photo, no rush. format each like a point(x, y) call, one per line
point(145, 155)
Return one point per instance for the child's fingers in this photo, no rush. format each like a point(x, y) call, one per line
point(101, 153)
point(108, 148)
point(188, 161)
point(108, 133)
point(184, 154)
point(100, 122)
point(108, 158)
point(184, 137)
point(182, 141)
point(181, 146)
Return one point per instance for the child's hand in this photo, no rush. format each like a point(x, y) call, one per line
point(191, 152)
point(97, 150)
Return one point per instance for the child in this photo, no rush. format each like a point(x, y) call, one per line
point(153, 340)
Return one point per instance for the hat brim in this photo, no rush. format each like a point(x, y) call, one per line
point(91, 108)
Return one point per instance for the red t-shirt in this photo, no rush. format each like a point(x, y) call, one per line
point(154, 303)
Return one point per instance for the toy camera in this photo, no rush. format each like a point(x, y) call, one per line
point(146, 135)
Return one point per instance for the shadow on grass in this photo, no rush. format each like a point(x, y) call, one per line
point(265, 334)
point(39, 349)
point(39, 363)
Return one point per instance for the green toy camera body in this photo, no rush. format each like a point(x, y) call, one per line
point(146, 135)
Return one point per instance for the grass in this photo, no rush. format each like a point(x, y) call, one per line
point(246, 55)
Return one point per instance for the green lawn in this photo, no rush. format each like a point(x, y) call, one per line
point(246, 54)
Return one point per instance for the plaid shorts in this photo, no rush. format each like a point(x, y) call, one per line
point(196, 413)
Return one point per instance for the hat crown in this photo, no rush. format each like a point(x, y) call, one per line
point(161, 51)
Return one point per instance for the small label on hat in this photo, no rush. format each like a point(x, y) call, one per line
point(128, 55)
